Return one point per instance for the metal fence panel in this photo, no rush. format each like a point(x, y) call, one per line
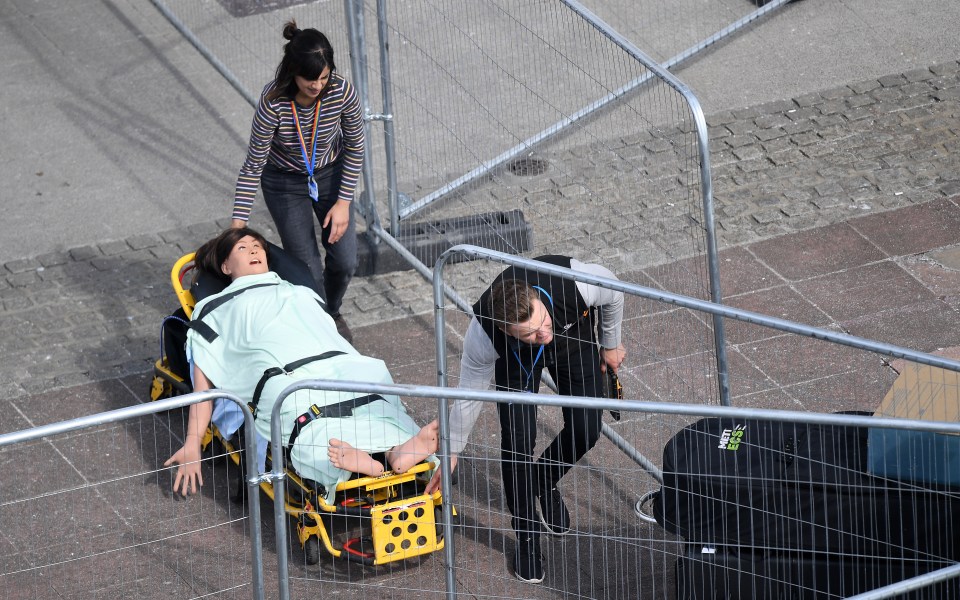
point(88, 512)
point(472, 81)
point(520, 126)
point(616, 552)
point(774, 364)
point(112, 530)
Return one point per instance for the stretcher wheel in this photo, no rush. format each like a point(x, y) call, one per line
point(311, 550)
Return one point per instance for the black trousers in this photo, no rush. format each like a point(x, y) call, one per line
point(523, 476)
point(293, 212)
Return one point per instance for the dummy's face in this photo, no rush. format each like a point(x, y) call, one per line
point(538, 329)
point(247, 258)
point(311, 88)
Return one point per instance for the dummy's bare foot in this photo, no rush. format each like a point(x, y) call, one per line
point(344, 456)
point(404, 456)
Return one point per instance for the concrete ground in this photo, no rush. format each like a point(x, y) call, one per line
point(106, 100)
point(111, 183)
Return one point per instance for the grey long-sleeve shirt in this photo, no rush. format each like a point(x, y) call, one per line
point(478, 363)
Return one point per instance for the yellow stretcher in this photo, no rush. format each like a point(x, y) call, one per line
point(394, 518)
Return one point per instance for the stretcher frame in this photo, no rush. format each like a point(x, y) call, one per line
point(402, 526)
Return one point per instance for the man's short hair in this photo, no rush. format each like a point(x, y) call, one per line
point(511, 301)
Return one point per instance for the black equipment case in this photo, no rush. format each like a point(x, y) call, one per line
point(783, 510)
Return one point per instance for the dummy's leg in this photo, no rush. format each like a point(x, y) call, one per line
point(344, 456)
point(426, 441)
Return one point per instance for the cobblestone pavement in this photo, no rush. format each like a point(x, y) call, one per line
point(93, 313)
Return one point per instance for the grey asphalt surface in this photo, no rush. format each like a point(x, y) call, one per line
point(123, 129)
point(835, 136)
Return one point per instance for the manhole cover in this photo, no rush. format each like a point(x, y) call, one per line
point(527, 166)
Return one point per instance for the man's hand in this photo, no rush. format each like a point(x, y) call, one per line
point(434, 484)
point(338, 217)
point(612, 357)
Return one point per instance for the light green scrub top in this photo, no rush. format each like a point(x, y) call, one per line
point(273, 326)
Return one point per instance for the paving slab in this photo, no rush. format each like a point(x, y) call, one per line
point(929, 326)
point(913, 230)
point(782, 302)
point(816, 252)
point(865, 290)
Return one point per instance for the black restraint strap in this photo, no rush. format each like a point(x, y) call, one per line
point(290, 368)
point(216, 302)
point(205, 331)
point(332, 411)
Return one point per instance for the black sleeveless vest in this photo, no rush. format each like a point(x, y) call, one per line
point(519, 365)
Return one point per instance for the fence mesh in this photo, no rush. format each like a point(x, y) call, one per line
point(473, 83)
point(90, 514)
point(800, 511)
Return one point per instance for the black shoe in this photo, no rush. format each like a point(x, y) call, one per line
point(343, 329)
point(527, 562)
point(554, 513)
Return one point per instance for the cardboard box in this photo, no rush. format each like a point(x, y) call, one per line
point(925, 393)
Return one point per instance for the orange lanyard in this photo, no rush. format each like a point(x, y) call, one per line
point(308, 161)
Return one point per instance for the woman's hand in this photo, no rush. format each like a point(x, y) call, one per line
point(238, 224)
point(338, 217)
point(434, 484)
point(188, 473)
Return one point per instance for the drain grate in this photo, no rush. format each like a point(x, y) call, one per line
point(527, 166)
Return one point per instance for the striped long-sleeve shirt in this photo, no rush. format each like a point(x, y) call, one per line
point(273, 138)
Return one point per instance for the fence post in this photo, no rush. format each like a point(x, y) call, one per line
point(358, 66)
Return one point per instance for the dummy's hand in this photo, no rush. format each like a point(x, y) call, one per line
point(238, 224)
point(612, 357)
point(434, 484)
point(338, 217)
point(188, 473)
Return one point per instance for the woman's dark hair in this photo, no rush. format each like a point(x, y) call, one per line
point(211, 255)
point(307, 53)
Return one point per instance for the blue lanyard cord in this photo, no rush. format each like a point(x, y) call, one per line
point(308, 162)
point(529, 374)
point(545, 293)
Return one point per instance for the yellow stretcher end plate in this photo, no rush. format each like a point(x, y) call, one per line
point(404, 529)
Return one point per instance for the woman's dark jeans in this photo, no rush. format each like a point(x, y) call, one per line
point(293, 210)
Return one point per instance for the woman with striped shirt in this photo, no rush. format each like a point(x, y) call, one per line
point(306, 152)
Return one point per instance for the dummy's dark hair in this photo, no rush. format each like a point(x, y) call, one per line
point(307, 53)
point(212, 254)
point(511, 301)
